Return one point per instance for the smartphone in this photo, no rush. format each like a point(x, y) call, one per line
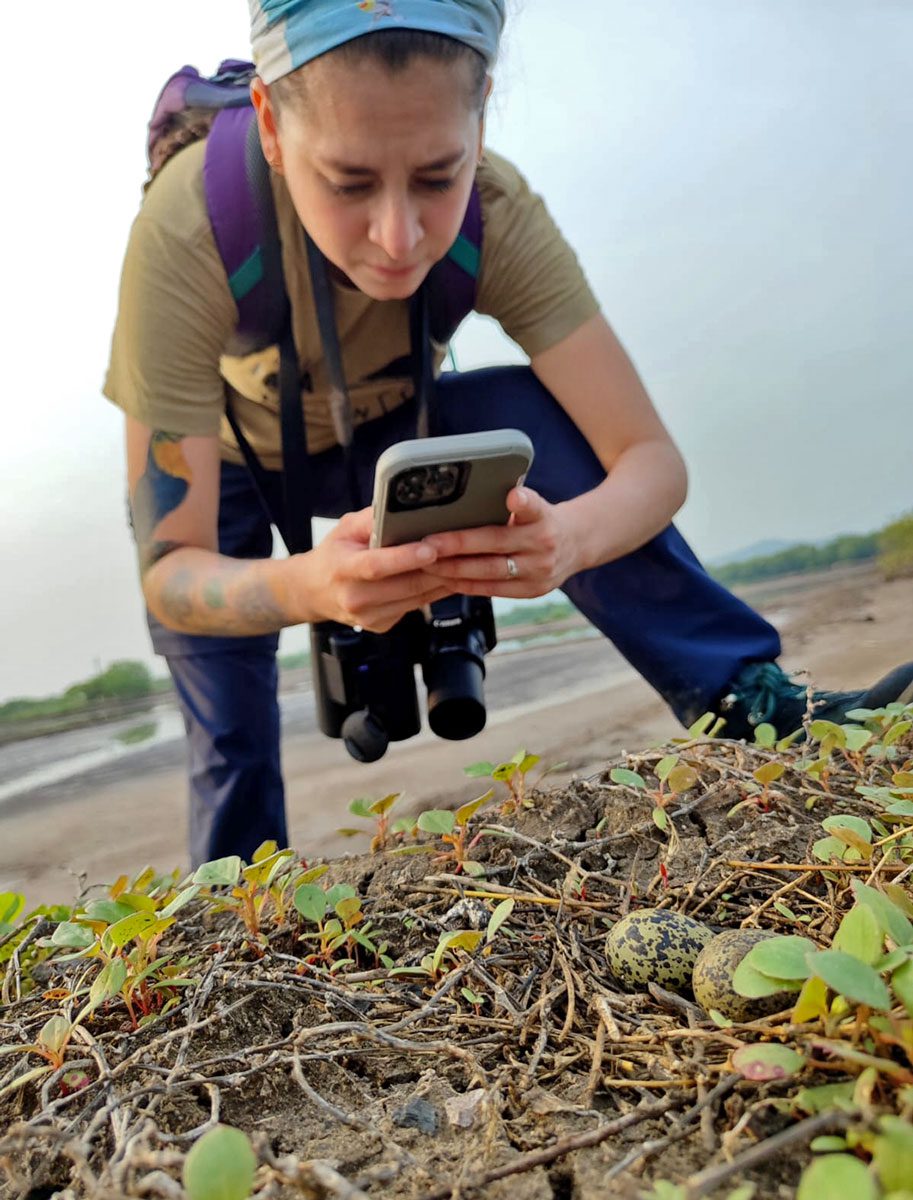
point(432, 485)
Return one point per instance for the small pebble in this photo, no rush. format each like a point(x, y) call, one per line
point(417, 1114)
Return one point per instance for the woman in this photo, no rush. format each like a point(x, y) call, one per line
point(371, 117)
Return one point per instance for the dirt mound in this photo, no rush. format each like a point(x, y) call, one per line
point(438, 1018)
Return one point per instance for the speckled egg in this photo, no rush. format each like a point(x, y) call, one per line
point(655, 945)
point(713, 971)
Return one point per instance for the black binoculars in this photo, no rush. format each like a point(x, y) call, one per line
point(364, 683)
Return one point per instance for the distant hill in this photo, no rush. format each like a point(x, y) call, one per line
point(762, 549)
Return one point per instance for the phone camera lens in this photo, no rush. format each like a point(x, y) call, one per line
point(410, 487)
point(443, 482)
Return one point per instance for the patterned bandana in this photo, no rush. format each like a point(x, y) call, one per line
point(286, 34)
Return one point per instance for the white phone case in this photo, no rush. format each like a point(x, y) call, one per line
point(484, 465)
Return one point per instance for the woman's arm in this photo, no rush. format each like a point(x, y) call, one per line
point(593, 380)
point(189, 586)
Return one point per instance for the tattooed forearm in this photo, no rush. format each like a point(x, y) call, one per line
point(161, 489)
point(214, 595)
point(176, 596)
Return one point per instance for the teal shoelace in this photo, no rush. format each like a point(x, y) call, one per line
point(762, 688)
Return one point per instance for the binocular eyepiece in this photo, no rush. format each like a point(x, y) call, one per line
point(364, 683)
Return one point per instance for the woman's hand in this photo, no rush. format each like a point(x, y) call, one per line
point(344, 580)
point(538, 541)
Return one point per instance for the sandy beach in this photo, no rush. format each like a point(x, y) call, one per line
point(576, 703)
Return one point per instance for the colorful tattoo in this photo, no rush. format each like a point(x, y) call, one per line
point(176, 597)
point(213, 594)
point(159, 491)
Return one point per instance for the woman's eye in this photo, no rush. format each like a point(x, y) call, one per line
point(437, 185)
point(348, 189)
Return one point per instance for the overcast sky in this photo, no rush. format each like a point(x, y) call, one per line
point(735, 176)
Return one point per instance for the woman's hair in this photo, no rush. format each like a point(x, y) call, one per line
point(184, 128)
point(394, 49)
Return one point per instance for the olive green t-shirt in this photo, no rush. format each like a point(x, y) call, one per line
point(169, 367)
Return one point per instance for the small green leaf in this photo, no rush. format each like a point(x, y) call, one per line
point(664, 766)
point(128, 928)
point(661, 819)
point(842, 821)
point(896, 732)
point(479, 770)
point(898, 928)
point(69, 934)
point(893, 1154)
point(504, 772)
point(826, 849)
point(339, 891)
point(379, 807)
point(827, 1144)
point(823, 731)
point(781, 957)
point(900, 808)
point(820, 1099)
point(221, 1166)
point(702, 725)
point(857, 739)
point(682, 779)
point(475, 869)
point(769, 773)
point(767, 1060)
point(473, 997)
point(460, 939)
point(860, 935)
point(313, 874)
point(311, 902)
point(498, 917)
point(853, 979)
point(181, 899)
point(106, 984)
point(765, 735)
point(902, 981)
point(11, 905)
point(465, 811)
point(221, 872)
point(109, 911)
point(348, 909)
point(55, 1033)
point(751, 983)
point(836, 1177)
point(628, 778)
point(437, 821)
point(359, 807)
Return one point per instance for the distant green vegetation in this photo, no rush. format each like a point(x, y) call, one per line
point(537, 614)
point(895, 543)
point(795, 560)
point(123, 680)
point(293, 662)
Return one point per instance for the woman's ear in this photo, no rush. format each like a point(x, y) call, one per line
point(266, 123)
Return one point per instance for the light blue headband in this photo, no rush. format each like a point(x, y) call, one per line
point(286, 34)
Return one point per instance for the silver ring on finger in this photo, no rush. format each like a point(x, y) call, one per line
point(512, 569)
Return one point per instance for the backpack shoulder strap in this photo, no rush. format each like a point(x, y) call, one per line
point(239, 201)
point(454, 280)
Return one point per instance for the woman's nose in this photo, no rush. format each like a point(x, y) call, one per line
point(395, 227)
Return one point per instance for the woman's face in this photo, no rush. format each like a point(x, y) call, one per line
point(379, 165)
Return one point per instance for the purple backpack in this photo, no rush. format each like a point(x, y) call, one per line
point(241, 211)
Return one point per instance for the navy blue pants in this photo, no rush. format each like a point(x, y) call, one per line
point(684, 633)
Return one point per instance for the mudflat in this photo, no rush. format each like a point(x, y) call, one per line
point(575, 703)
